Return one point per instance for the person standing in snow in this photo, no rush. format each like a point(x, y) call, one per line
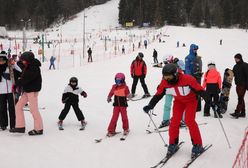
point(120, 91)
point(52, 60)
point(184, 88)
point(70, 98)
point(240, 71)
point(193, 66)
point(31, 82)
point(7, 103)
point(138, 71)
point(155, 56)
point(212, 84)
point(145, 44)
point(90, 55)
point(123, 49)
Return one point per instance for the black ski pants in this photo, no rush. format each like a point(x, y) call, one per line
point(215, 98)
point(7, 104)
point(76, 109)
point(142, 81)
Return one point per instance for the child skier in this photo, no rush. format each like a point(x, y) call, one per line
point(120, 91)
point(70, 98)
point(212, 83)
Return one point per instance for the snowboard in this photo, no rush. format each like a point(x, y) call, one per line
point(225, 90)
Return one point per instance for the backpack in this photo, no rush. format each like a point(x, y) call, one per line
point(197, 67)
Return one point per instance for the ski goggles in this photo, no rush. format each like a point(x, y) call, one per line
point(118, 81)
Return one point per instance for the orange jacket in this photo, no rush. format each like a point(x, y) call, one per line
point(212, 76)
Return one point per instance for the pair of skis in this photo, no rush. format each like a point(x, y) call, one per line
point(122, 138)
point(162, 162)
point(135, 98)
point(82, 127)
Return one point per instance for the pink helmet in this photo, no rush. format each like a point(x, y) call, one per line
point(120, 76)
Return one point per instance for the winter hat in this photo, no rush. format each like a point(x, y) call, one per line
point(27, 56)
point(3, 56)
point(238, 56)
point(211, 65)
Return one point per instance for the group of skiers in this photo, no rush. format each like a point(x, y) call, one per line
point(22, 76)
point(179, 81)
point(185, 86)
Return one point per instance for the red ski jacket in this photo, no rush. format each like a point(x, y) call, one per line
point(120, 94)
point(138, 68)
point(185, 90)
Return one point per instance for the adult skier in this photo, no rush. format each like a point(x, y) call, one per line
point(138, 71)
point(184, 89)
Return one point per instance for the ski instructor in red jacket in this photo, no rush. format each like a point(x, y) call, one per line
point(138, 71)
point(184, 88)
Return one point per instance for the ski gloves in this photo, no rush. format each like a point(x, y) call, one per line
point(147, 109)
point(109, 99)
point(206, 97)
point(84, 94)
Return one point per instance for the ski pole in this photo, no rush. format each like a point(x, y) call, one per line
point(213, 107)
point(149, 114)
point(149, 123)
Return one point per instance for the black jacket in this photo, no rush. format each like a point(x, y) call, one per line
point(240, 71)
point(30, 79)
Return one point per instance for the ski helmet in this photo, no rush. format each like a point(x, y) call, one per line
point(140, 54)
point(171, 70)
point(119, 78)
point(168, 59)
point(74, 80)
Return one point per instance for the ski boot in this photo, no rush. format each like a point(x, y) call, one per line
point(146, 95)
point(3, 128)
point(126, 132)
point(60, 125)
point(83, 124)
point(216, 115)
point(164, 123)
point(182, 124)
point(172, 148)
point(196, 150)
point(110, 134)
point(132, 95)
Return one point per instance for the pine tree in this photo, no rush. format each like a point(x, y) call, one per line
point(196, 14)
